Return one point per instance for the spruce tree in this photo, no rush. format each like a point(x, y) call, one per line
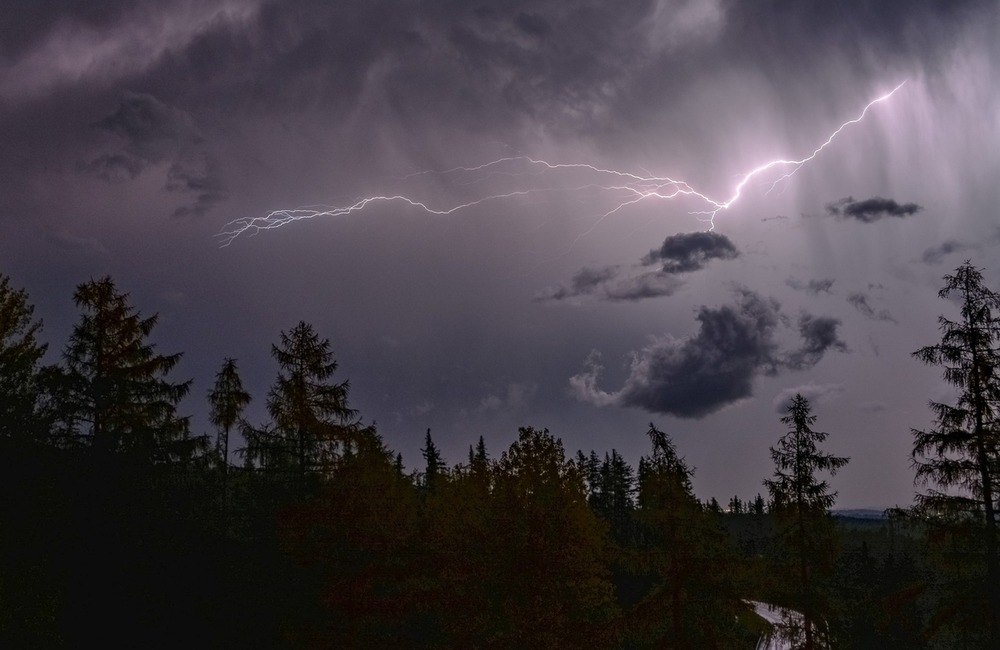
point(958, 460)
point(694, 600)
point(116, 394)
point(435, 463)
point(311, 418)
point(227, 400)
point(20, 354)
point(802, 505)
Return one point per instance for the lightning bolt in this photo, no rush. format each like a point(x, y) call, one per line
point(630, 187)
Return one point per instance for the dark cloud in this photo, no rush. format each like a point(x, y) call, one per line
point(691, 251)
point(815, 287)
point(693, 377)
point(606, 284)
point(871, 210)
point(586, 281)
point(935, 254)
point(683, 253)
point(696, 376)
point(640, 287)
point(819, 334)
point(860, 301)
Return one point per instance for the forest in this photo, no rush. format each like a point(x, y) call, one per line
point(122, 527)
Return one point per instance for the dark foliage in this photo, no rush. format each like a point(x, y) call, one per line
point(120, 529)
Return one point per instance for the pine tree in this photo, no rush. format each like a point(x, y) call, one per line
point(116, 394)
point(311, 417)
point(802, 504)
point(20, 354)
point(959, 459)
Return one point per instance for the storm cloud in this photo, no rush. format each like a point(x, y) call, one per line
point(696, 376)
point(871, 210)
point(679, 254)
point(819, 335)
point(691, 251)
point(586, 281)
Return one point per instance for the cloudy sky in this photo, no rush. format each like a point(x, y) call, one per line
point(581, 287)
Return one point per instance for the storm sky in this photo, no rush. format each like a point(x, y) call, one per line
point(134, 132)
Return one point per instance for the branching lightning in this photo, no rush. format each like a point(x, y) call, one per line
point(633, 188)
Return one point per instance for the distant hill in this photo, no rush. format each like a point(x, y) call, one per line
point(860, 513)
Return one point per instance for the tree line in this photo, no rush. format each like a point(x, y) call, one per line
point(121, 525)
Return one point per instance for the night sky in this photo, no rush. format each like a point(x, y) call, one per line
point(134, 133)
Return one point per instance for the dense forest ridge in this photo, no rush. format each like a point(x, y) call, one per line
point(318, 537)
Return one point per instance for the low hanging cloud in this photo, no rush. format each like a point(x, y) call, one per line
point(871, 210)
point(861, 302)
point(687, 252)
point(695, 376)
point(679, 254)
point(815, 287)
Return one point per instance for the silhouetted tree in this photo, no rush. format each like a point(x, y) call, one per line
point(227, 401)
point(20, 354)
point(615, 497)
point(115, 391)
point(357, 544)
point(959, 459)
point(311, 417)
point(694, 600)
point(549, 587)
point(802, 505)
point(434, 463)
